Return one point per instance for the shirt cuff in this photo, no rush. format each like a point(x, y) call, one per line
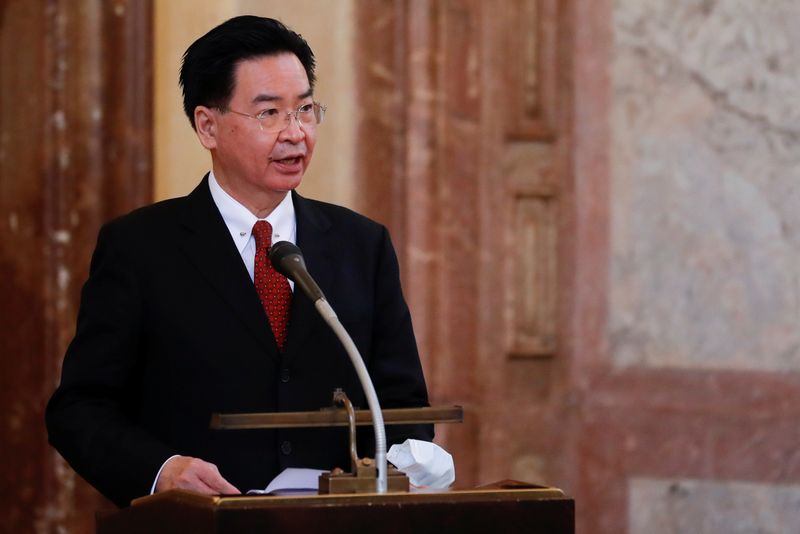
point(153, 489)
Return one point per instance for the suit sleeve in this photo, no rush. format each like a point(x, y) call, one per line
point(90, 418)
point(395, 366)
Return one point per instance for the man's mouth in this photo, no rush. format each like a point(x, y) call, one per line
point(288, 160)
point(292, 164)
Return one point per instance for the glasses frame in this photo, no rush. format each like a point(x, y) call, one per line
point(318, 111)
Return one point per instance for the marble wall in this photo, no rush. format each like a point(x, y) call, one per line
point(706, 184)
point(705, 258)
point(664, 506)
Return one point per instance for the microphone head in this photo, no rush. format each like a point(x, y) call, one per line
point(286, 258)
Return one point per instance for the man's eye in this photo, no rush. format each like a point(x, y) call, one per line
point(306, 108)
point(268, 113)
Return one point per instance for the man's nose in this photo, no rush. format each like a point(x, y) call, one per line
point(292, 132)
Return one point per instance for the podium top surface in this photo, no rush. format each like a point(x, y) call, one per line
point(188, 498)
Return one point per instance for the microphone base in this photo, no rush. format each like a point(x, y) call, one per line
point(362, 481)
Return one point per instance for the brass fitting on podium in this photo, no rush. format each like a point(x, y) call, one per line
point(364, 472)
point(362, 481)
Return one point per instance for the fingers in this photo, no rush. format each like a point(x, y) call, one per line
point(185, 472)
point(211, 477)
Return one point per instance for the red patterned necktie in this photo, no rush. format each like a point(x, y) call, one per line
point(272, 287)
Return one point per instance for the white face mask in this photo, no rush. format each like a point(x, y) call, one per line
point(427, 465)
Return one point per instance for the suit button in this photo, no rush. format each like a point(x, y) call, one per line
point(285, 375)
point(286, 447)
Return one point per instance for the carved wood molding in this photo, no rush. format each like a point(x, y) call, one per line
point(530, 39)
point(533, 172)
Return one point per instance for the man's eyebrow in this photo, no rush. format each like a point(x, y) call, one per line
point(272, 98)
point(265, 98)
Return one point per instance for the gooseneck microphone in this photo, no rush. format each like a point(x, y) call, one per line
point(288, 260)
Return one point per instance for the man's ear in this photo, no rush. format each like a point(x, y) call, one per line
point(205, 123)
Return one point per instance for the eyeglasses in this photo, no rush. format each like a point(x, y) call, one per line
point(272, 120)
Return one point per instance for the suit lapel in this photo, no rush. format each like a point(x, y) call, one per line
point(210, 248)
point(312, 227)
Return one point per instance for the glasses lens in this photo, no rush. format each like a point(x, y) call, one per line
point(270, 120)
point(274, 121)
point(319, 112)
point(306, 115)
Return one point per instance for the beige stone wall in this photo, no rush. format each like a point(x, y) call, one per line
point(706, 184)
point(672, 506)
point(180, 161)
point(704, 291)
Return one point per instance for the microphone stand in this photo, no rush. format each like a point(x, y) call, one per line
point(330, 317)
point(288, 260)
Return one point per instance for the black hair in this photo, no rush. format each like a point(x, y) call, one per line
point(209, 64)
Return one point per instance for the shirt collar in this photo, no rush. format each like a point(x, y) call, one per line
point(240, 220)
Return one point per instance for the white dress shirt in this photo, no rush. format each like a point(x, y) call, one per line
point(240, 221)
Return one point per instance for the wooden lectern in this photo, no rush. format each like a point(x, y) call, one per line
point(503, 507)
point(495, 510)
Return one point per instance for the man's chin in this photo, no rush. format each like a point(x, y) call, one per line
point(286, 183)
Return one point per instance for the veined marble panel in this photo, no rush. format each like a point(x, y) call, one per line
point(706, 184)
point(659, 506)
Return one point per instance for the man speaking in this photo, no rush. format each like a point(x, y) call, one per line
point(183, 314)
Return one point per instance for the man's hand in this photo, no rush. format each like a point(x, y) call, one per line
point(189, 473)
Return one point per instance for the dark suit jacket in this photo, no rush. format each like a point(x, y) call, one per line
point(170, 329)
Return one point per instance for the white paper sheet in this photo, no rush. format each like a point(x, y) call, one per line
point(292, 481)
